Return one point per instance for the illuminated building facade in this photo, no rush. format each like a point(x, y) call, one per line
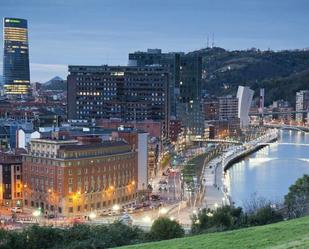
point(16, 56)
point(130, 93)
point(11, 179)
point(67, 178)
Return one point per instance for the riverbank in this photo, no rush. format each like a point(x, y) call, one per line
point(214, 190)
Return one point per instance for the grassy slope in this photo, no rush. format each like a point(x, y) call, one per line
point(287, 234)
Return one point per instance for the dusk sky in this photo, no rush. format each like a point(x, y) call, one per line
point(96, 32)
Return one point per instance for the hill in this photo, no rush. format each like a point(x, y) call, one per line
point(224, 70)
point(286, 234)
point(56, 83)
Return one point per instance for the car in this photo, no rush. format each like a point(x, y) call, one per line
point(51, 216)
point(131, 210)
point(155, 197)
point(16, 210)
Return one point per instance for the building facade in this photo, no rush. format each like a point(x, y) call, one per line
point(66, 178)
point(16, 56)
point(128, 93)
point(11, 179)
point(170, 61)
point(302, 104)
point(228, 111)
point(244, 95)
point(185, 73)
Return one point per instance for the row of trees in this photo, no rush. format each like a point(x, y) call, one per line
point(89, 236)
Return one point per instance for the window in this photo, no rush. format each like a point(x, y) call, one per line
point(70, 209)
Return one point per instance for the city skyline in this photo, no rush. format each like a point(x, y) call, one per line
point(104, 32)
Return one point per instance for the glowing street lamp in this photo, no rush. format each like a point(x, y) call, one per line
point(162, 211)
point(146, 219)
point(36, 213)
point(92, 215)
point(116, 207)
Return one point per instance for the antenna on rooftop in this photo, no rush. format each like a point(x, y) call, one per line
point(207, 41)
point(213, 40)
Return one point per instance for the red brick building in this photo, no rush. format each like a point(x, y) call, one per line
point(66, 178)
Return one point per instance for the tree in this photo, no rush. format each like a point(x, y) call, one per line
point(264, 215)
point(297, 200)
point(163, 228)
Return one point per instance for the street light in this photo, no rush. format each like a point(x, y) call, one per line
point(36, 213)
point(162, 211)
point(92, 215)
point(146, 219)
point(116, 207)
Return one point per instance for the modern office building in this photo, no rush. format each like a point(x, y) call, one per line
point(185, 73)
point(65, 177)
point(302, 104)
point(16, 71)
point(169, 61)
point(192, 118)
point(244, 95)
point(190, 85)
point(125, 92)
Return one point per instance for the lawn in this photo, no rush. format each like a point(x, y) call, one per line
point(286, 234)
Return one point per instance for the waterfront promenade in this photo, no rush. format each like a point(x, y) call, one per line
point(214, 192)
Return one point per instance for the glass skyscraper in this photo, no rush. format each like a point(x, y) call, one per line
point(16, 56)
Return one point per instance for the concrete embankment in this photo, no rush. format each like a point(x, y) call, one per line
point(245, 153)
point(214, 189)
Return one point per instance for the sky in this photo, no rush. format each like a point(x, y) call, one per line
point(96, 32)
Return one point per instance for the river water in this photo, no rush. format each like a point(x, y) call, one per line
point(269, 172)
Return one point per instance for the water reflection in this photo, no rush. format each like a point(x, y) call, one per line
point(270, 171)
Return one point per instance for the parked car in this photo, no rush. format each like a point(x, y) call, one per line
point(16, 210)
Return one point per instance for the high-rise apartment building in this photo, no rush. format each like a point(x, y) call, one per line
point(228, 111)
point(302, 104)
point(16, 71)
point(130, 93)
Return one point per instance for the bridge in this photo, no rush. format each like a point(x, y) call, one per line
point(276, 113)
point(217, 141)
point(288, 127)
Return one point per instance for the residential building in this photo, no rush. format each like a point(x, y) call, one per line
point(228, 111)
point(302, 104)
point(11, 185)
point(16, 56)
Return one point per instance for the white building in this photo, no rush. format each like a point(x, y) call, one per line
point(24, 137)
point(244, 95)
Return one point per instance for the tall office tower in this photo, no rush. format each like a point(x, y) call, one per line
point(190, 84)
point(244, 95)
point(169, 61)
point(16, 56)
point(185, 73)
point(228, 111)
point(302, 104)
point(126, 92)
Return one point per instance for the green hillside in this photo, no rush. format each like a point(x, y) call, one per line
point(286, 234)
point(224, 70)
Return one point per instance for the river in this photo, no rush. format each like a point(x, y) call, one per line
point(269, 172)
